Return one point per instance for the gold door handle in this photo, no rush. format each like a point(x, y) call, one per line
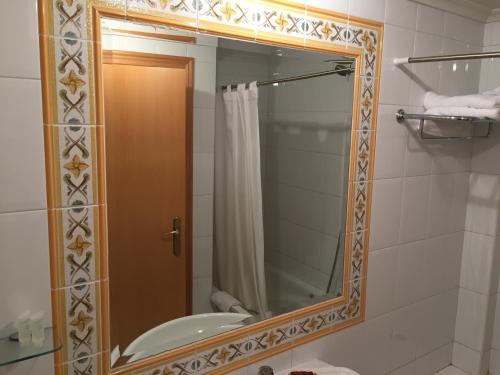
point(176, 236)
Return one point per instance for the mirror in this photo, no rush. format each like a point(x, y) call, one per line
point(227, 169)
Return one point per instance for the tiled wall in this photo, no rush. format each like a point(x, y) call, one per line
point(204, 53)
point(477, 335)
point(419, 196)
point(24, 251)
point(419, 205)
point(307, 145)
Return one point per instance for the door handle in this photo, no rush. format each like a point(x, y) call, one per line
point(175, 233)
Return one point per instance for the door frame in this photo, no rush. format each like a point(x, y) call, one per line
point(116, 57)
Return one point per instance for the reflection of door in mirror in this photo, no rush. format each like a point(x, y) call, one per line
point(148, 190)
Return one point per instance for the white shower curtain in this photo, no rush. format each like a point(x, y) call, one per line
point(239, 229)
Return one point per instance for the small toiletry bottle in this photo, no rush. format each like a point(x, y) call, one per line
point(23, 328)
point(37, 331)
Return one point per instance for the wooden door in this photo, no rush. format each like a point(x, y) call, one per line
point(148, 125)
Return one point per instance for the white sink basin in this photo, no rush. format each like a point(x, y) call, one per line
point(320, 368)
point(182, 331)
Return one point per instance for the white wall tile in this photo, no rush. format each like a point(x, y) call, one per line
point(441, 200)
point(19, 41)
point(404, 336)
point(409, 277)
point(452, 370)
point(317, 349)
point(418, 157)
point(459, 203)
point(395, 82)
point(202, 53)
point(381, 290)
point(25, 278)
point(480, 263)
point(436, 322)
point(202, 257)
point(492, 34)
point(43, 365)
point(372, 338)
point(495, 362)
point(463, 29)
point(467, 359)
point(483, 204)
point(21, 145)
point(430, 20)
point(415, 208)
point(204, 85)
point(202, 290)
point(471, 319)
point(391, 144)
point(203, 174)
point(202, 215)
point(409, 369)
point(485, 153)
point(204, 130)
point(337, 5)
point(425, 76)
point(495, 340)
point(373, 9)
point(430, 363)
point(386, 211)
point(401, 13)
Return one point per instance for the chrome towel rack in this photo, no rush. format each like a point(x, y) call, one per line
point(401, 116)
point(465, 56)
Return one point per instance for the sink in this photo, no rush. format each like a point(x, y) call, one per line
point(320, 368)
point(182, 331)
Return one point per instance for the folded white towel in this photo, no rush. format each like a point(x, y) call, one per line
point(492, 113)
point(432, 100)
point(224, 301)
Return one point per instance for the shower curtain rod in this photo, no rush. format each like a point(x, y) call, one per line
point(466, 56)
point(343, 71)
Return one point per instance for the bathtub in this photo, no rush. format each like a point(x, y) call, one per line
point(286, 292)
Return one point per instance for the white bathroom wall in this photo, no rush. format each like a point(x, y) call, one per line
point(479, 342)
point(306, 178)
point(419, 203)
point(204, 54)
point(415, 243)
point(24, 252)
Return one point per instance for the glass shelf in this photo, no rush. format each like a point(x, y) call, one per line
point(12, 352)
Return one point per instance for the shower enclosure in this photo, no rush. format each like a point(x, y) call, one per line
point(304, 138)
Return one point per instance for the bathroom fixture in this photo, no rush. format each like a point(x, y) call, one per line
point(341, 71)
point(319, 368)
point(90, 240)
point(265, 370)
point(465, 56)
point(12, 352)
point(182, 331)
point(401, 116)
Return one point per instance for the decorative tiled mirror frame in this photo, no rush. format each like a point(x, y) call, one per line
point(74, 152)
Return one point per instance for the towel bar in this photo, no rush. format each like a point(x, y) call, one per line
point(401, 116)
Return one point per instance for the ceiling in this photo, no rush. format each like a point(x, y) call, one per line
point(491, 4)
